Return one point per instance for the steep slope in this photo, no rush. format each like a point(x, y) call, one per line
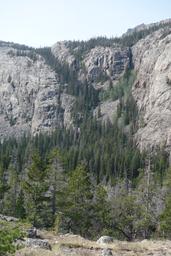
point(34, 99)
point(42, 92)
point(97, 64)
point(29, 92)
point(152, 89)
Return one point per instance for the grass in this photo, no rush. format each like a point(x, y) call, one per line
point(73, 245)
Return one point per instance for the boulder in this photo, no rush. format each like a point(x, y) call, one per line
point(38, 243)
point(107, 252)
point(7, 218)
point(32, 232)
point(105, 240)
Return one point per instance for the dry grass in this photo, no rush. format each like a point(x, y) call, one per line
point(72, 245)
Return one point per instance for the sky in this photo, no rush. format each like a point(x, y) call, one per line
point(41, 23)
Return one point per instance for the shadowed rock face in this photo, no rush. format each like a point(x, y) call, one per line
point(152, 89)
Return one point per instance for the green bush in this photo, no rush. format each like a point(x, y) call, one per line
point(8, 235)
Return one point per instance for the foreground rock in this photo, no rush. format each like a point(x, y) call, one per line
point(32, 232)
point(107, 252)
point(37, 243)
point(105, 240)
point(8, 218)
point(67, 245)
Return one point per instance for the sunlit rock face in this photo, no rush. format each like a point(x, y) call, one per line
point(112, 60)
point(96, 62)
point(152, 89)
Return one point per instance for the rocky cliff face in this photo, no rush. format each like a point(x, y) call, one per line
point(107, 60)
point(33, 98)
point(29, 95)
point(152, 90)
point(29, 88)
point(96, 64)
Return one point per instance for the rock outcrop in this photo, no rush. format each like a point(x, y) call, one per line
point(62, 52)
point(152, 89)
point(98, 63)
point(105, 240)
point(110, 61)
point(37, 243)
point(107, 252)
point(106, 111)
point(29, 93)
point(8, 218)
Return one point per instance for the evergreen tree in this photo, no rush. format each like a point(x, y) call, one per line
point(35, 189)
point(57, 181)
point(3, 188)
point(128, 217)
point(101, 214)
point(20, 211)
point(79, 201)
point(165, 218)
point(10, 198)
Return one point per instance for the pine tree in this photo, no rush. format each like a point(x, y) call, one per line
point(20, 211)
point(35, 189)
point(128, 218)
point(3, 188)
point(11, 197)
point(101, 214)
point(79, 201)
point(57, 181)
point(165, 218)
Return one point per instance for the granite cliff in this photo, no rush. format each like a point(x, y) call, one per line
point(152, 91)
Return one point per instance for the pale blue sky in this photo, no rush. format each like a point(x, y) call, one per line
point(43, 22)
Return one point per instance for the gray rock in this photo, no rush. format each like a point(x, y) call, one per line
point(152, 91)
point(32, 232)
point(8, 218)
point(44, 244)
point(107, 252)
point(112, 61)
point(62, 52)
point(29, 92)
point(105, 240)
point(106, 111)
